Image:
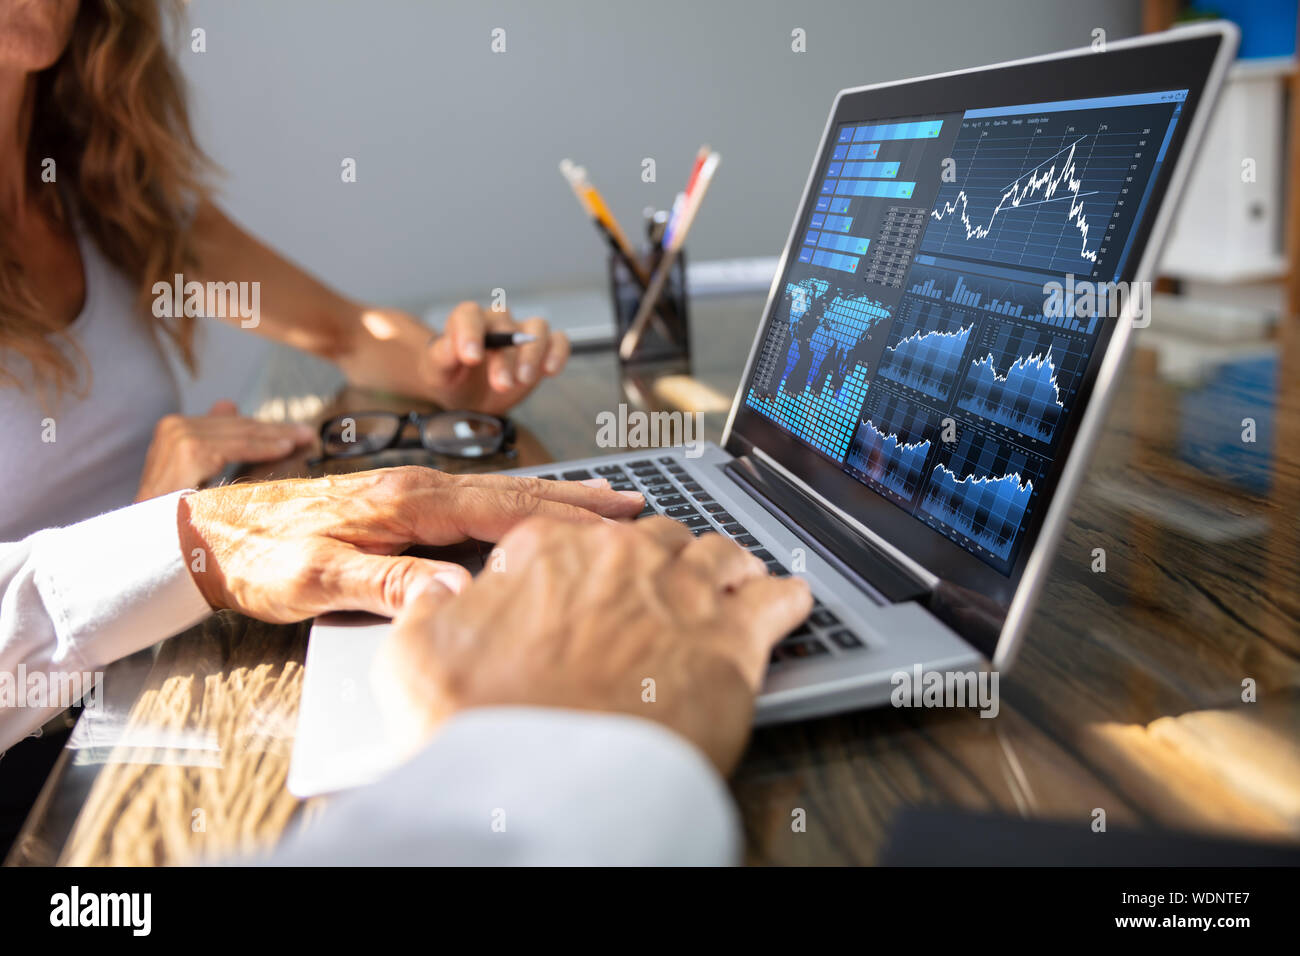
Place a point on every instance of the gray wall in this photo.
(457, 148)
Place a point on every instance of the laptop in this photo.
(947, 322)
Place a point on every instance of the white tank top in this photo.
(94, 463)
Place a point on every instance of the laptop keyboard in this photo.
(670, 490)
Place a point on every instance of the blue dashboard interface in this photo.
(944, 294)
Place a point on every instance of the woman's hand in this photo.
(187, 451)
(458, 367)
(380, 348)
(397, 353)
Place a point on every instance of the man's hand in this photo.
(640, 619)
(283, 551)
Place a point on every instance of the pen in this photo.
(701, 158)
(504, 340)
(655, 221)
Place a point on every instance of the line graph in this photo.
(1027, 398)
(891, 445)
(1039, 181)
(984, 508)
(1021, 379)
(983, 491)
(1030, 197)
(926, 349)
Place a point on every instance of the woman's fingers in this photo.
(508, 372)
(250, 448)
(252, 429)
(502, 364)
(532, 355)
(443, 354)
(464, 330)
(220, 440)
(557, 353)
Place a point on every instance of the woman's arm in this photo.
(377, 347)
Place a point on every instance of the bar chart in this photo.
(1006, 294)
(857, 171)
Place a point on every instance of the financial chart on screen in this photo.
(943, 299)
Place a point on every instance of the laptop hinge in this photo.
(843, 547)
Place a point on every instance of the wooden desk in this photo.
(1128, 696)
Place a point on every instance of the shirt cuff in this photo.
(535, 786)
(117, 583)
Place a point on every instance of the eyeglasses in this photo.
(457, 434)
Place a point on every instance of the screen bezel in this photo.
(1174, 63)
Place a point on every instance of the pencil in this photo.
(594, 204)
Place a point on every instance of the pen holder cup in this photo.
(667, 334)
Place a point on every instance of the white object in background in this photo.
(1196, 319)
(731, 276)
(1192, 338)
(1229, 230)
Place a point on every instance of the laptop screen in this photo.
(949, 281)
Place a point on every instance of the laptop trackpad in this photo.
(341, 740)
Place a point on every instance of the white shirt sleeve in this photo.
(74, 599)
(533, 786)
